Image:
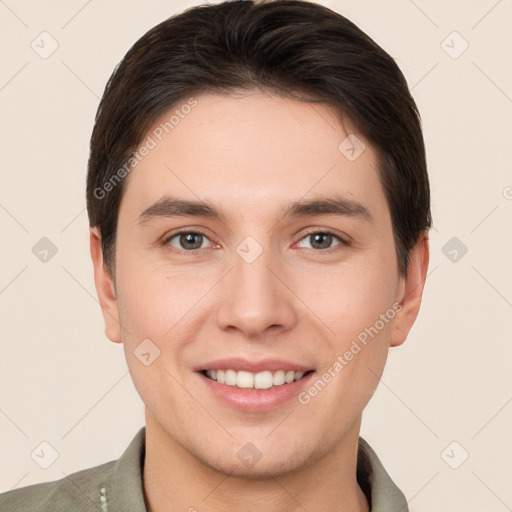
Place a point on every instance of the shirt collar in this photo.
(124, 490)
(384, 495)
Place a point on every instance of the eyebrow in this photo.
(169, 206)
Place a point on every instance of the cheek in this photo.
(358, 307)
(348, 300)
(152, 302)
(153, 308)
(360, 310)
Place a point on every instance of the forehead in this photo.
(252, 149)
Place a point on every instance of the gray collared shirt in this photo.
(116, 486)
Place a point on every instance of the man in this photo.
(259, 208)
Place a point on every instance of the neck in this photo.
(174, 479)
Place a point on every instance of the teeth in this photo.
(248, 380)
(263, 380)
(243, 379)
(230, 378)
(278, 378)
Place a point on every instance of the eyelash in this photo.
(343, 241)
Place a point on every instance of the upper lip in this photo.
(250, 365)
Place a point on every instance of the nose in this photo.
(255, 299)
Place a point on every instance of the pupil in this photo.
(326, 238)
(189, 239)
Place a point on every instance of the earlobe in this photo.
(105, 288)
(411, 291)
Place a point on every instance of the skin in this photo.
(251, 155)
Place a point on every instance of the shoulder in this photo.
(118, 481)
(79, 492)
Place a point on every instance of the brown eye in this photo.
(322, 240)
(188, 241)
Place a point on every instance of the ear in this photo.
(105, 288)
(411, 290)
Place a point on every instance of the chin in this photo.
(245, 460)
(260, 471)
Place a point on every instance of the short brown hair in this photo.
(287, 46)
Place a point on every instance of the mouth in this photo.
(254, 384)
(255, 380)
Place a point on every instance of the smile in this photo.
(248, 380)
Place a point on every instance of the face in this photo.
(286, 262)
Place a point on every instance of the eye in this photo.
(187, 241)
(322, 240)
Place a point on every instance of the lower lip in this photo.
(256, 400)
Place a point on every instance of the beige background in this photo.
(63, 382)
